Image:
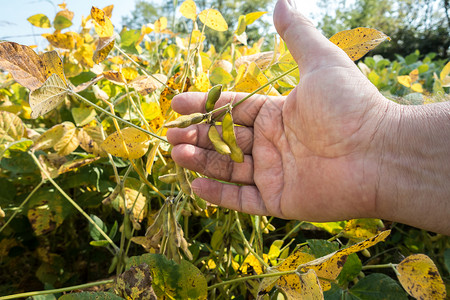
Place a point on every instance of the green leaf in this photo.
(83, 115)
(447, 259)
(40, 20)
(47, 210)
(320, 248)
(378, 286)
(19, 163)
(193, 283)
(60, 22)
(90, 296)
(129, 40)
(95, 234)
(171, 280)
(220, 76)
(351, 269)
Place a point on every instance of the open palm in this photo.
(307, 155)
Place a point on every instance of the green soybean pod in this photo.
(213, 96)
(217, 141)
(183, 181)
(230, 138)
(186, 120)
(168, 178)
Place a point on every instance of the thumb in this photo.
(308, 46)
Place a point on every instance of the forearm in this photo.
(414, 168)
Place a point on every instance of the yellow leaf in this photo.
(445, 71)
(202, 82)
(329, 266)
(90, 138)
(104, 46)
(247, 82)
(417, 87)
(253, 16)
(251, 261)
(84, 55)
(11, 127)
(414, 74)
(66, 40)
(53, 64)
(150, 110)
(151, 157)
(358, 41)
(103, 26)
(49, 138)
(189, 10)
(197, 36)
(213, 19)
(301, 286)
(160, 24)
(131, 144)
(331, 227)
(420, 278)
(49, 96)
(40, 20)
(404, 80)
(361, 229)
(129, 73)
(68, 142)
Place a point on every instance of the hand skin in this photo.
(334, 149)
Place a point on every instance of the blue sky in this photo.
(14, 13)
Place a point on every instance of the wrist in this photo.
(413, 180)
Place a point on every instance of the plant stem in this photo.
(249, 278)
(250, 248)
(118, 118)
(22, 205)
(55, 291)
(73, 202)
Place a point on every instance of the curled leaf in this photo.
(25, 66)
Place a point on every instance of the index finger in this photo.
(243, 114)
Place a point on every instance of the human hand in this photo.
(318, 154)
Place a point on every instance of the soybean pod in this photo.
(217, 141)
(186, 120)
(230, 138)
(213, 96)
